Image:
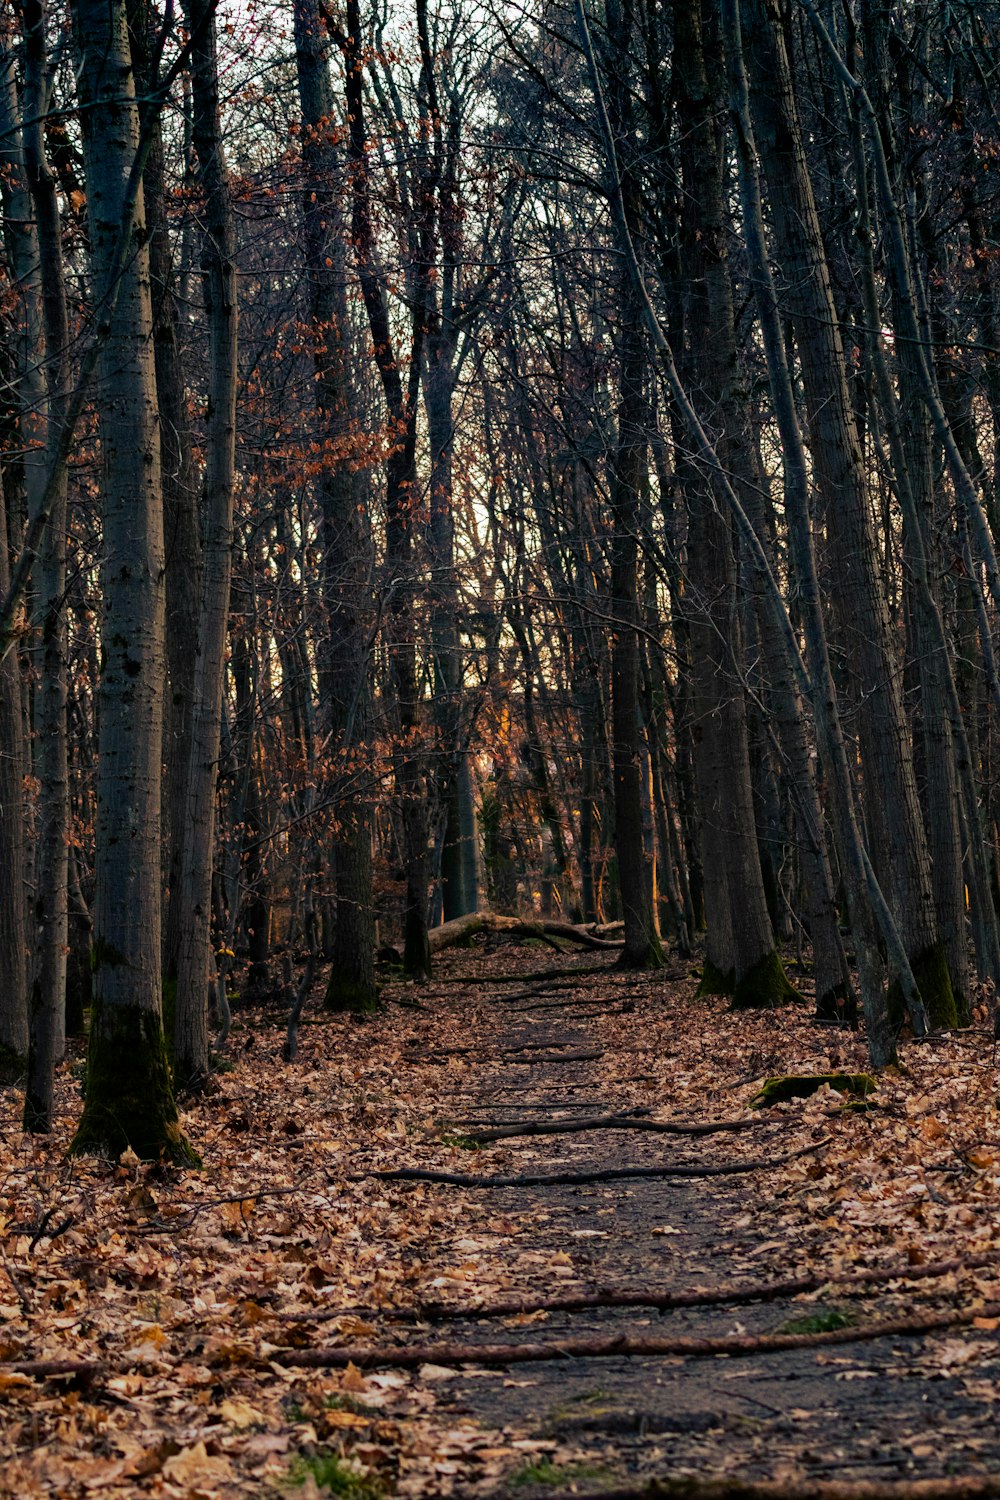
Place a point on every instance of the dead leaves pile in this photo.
(184, 1285)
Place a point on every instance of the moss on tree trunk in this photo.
(765, 986)
(649, 956)
(714, 981)
(129, 1099)
(930, 970)
(344, 993)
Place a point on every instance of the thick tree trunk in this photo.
(347, 552)
(741, 958)
(129, 1101)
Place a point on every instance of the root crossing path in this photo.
(629, 1305)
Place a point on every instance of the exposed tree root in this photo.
(728, 1296)
(607, 1174)
(616, 1346)
(537, 976)
(986, 1487)
(507, 1054)
(614, 1122)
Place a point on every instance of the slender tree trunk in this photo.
(400, 521)
(190, 1042)
(181, 525)
(50, 909)
(13, 954)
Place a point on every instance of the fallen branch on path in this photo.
(607, 1174)
(985, 1487)
(622, 1345)
(728, 1296)
(617, 1122)
(460, 928)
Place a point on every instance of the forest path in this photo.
(880, 1410)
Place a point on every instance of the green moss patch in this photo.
(802, 1085)
(714, 981)
(345, 994)
(930, 970)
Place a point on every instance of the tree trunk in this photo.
(345, 656)
(741, 958)
(13, 954)
(190, 1041)
(859, 600)
(50, 909)
(181, 525)
(129, 1101)
(400, 500)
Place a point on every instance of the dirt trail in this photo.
(875, 1410)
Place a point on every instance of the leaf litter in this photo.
(186, 1287)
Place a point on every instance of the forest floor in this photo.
(188, 1306)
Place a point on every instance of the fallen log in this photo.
(617, 1122)
(460, 928)
(622, 1345)
(605, 1174)
(985, 1487)
(736, 1295)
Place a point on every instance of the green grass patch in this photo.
(334, 1477)
(544, 1472)
(826, 1320)
(464, 1142)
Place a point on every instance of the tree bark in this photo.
(347, 561)
(190, 1041)
(859, 601)
(51, 903)
(129, 1099)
